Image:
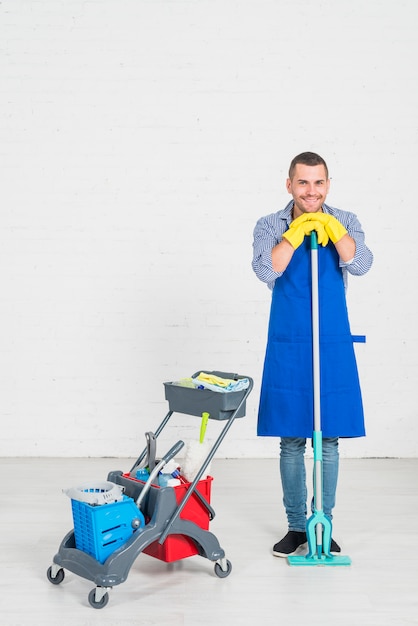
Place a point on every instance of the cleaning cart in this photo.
(116, 521)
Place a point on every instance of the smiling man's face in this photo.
(309, 187)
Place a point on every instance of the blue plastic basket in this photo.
(100, 530)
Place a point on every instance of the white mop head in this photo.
(194, 458)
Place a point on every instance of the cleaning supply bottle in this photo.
(142, 474)
(167, 480)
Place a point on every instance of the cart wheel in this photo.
(55, 580)
(223, 573)
(101, 603)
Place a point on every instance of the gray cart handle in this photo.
(166, 458)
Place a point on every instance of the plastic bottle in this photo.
(142, 474)
(167, 480)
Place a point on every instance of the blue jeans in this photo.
(293, 476)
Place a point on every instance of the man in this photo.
(282, 260)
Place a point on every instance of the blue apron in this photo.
(286, 400)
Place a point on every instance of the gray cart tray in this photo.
(220, 406)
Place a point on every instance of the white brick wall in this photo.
(139, 142)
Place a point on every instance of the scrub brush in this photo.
(196, 453)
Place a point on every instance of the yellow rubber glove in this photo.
(334, 229)
(299, 228)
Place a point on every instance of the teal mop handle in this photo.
(317, 434)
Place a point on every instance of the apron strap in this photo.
(358, 338)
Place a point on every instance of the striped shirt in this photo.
(269, 230)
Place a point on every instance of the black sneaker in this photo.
(290, 543)
(334, 547)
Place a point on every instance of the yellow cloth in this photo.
(214, 380)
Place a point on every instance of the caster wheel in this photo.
(101, 603)
(223, 573)
(55, 580)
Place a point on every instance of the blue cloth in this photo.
(286, 399)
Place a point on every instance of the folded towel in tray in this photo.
(217, 383)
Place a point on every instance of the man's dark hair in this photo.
(307, 158)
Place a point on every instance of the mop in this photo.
(318, 526)
(196, 453)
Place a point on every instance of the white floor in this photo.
(375, 523)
